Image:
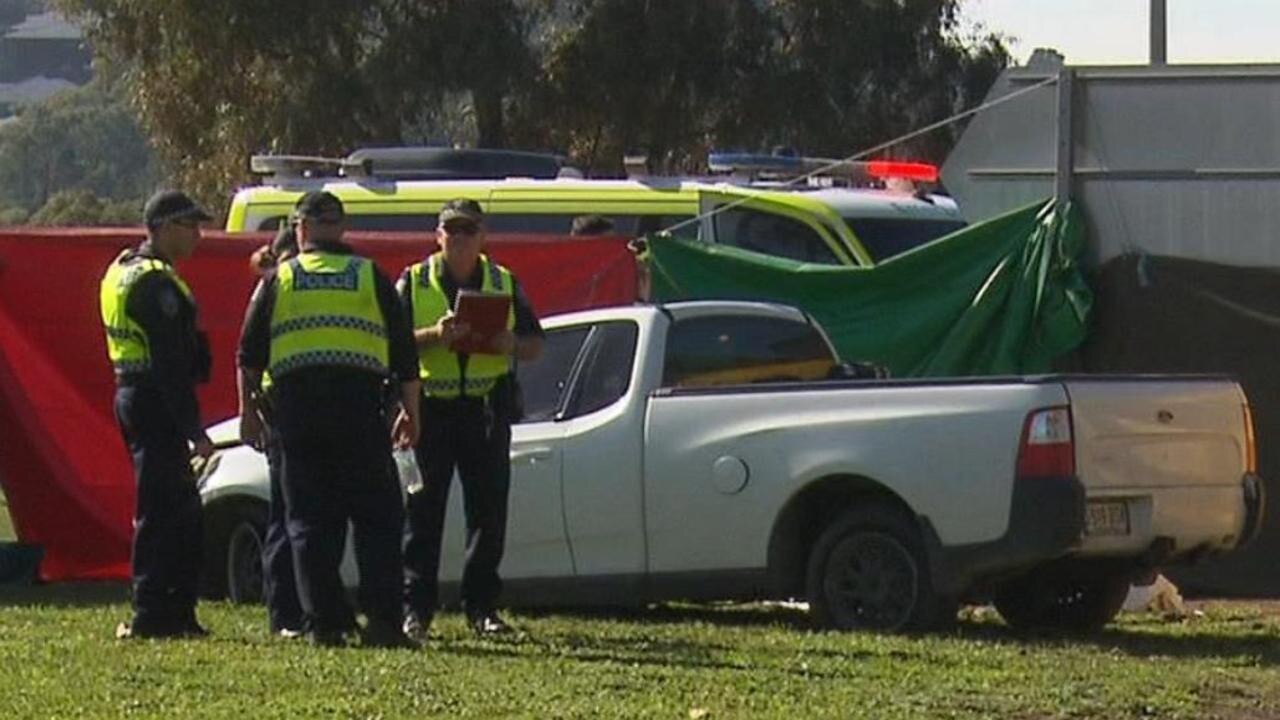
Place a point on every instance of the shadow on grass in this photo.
(630, 652)
(719, 614)
(67, 595)
(1257, 643)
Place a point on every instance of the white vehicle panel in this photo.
(931, 444)
(1158, 434)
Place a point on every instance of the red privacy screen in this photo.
(63, 465)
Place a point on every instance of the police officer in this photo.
(467, 409)
(284, 613)
(328, 327)
(158, 356)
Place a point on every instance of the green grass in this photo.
(58, 659)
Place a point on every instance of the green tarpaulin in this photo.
(1006, 296)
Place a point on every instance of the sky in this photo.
(1117, 31)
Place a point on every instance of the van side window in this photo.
(548, 223)
(606, 367)
(737, 349)
(375, 223)
(772, 234)
(886, 237)
(545, 380)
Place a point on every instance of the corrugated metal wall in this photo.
(1168, 160)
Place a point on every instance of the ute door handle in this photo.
(530, 456)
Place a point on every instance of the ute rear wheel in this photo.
(868, 571)
(1064, 597)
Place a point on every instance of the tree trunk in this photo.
(489, 121)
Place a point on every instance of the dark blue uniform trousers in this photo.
(167, 533)
(284, 612)
(336, 468)
(466, 434)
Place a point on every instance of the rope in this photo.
(871, 150)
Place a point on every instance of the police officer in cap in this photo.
(328, 328)
(469, 402)
(158, 356)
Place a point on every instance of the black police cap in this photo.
(317, 204)
(168, 205)
(463, 208)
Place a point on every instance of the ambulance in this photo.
(839, 213)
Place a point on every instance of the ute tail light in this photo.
(1250, 442)
(1048, 446)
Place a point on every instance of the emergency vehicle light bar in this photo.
(302, 166)
(783, 165)
(885, 169)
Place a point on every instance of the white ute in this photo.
(719, 450)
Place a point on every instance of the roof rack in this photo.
(306, 166)
(414, 163)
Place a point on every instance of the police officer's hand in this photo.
(450, 328)
(252, 431)
(503, 343)
(404, 434)
(204, 447)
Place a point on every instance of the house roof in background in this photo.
(45, 26)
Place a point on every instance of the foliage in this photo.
(660, 78)
(218, 80)
(82, 143)
(83, 207)
(57, 659)
(859, 73)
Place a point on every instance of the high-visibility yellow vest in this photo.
(326, 314)
(438, 367)
(127, 343)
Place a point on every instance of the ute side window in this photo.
(545, 380)
(606, 367)
(737, 349)
(772, 234)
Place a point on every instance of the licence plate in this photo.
(1108, 517)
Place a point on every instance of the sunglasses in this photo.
(461, 227)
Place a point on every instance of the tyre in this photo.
(1062, 597)
(233, 552)
(867, 571)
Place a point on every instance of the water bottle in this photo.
(407, 466)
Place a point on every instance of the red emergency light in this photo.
(919, 172)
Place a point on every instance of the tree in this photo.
(659, 77)
(855, 74)
(82, 207)
(215, 81)
(84, 139)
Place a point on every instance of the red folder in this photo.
(485, 314)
